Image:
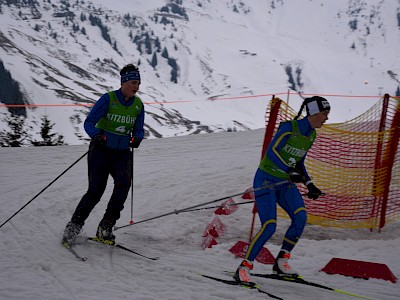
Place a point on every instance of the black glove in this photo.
(313, 191)
(295, 175)
(135, 142)
(98, 140)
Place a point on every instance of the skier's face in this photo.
(129, 88)
(318, 120)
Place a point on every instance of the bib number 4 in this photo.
(121, 129)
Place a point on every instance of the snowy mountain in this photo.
(206, 66)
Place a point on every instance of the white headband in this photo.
(317, 105)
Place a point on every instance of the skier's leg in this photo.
(121, 171)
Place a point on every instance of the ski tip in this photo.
(249, 285)
(149, 257)
(350, 294)
(66, 244)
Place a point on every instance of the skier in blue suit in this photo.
(115, 124)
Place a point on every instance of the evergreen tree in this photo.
(165, 53)
(157, 44)
(174, 72)
(49, 138)
(398, 19)
(75, 27)
(96, 21)
(17, 133)
(10, 92)
(147, 43)
(288, 70)
(154, 60)
(83, 17)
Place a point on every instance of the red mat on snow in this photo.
(264, 257)
(359, 269)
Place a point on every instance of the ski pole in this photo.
(266, 185)
(131, 221)
(45, 188)
(229, 205)
(219, 206)
(232, 204)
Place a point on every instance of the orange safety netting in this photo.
(355, 163)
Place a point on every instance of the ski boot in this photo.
(281, 266)
(242, 274)
(70, 233)
(105, 233)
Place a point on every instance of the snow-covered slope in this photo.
(170, 174)
(68, 52)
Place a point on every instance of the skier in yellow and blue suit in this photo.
(274, 183)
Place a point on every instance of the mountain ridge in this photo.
(70, 52)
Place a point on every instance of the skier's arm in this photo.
(99, 110)
(279, 140)
(138, 129)
(302, 168)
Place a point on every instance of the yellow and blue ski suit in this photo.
(271, 184)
